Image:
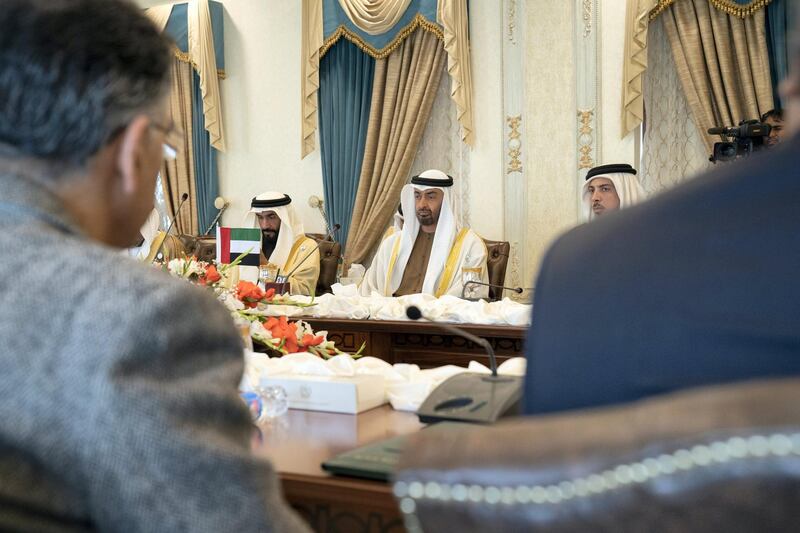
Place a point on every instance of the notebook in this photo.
(378, 461)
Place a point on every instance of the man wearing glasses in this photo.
(120, 408)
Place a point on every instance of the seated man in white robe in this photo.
(147, 235)
(284, 243)
(610, 188)
(431, 254)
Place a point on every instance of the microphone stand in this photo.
(216, 219)
(184, 197)
(414, 313)
(518, 290)
(469, 396)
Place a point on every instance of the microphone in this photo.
(221, 204)
(518, 290)
(414, 313)
(469, 396)
(184, 197)
(328, 237)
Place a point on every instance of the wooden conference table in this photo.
(298, 442)
(421, 343)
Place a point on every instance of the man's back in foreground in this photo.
(698, 286)
(120, 409)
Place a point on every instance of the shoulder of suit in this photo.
(120, 282)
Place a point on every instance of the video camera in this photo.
(743, 140)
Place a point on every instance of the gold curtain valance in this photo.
(728, 6)
(186, 58)
(374, 16)
(639, 14)
(451, 28)
(418, 21)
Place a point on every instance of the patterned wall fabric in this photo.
(672, 149)
(441, 148)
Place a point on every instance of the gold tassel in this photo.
(728, 6)
(186, 58)
(417, 22)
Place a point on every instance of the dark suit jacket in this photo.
(700, 285)
(119, 408)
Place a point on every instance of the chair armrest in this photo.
(713, 459)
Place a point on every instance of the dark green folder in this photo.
(378, 460)
(374, 461)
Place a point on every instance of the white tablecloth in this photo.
(346, 303)
(407, 385)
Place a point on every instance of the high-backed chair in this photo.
(203, 247)
(723, 458)
(496, 264)
(168, 246)
(330, 253)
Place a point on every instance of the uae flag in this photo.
(233, 242)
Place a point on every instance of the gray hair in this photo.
(73, 73)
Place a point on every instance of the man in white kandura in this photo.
(610, 188)
(147, 234)
(284, 243)
(431, 253)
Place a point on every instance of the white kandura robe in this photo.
(445, 266)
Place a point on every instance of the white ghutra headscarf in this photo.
(623, 177)
(446, 229)
(291, 226)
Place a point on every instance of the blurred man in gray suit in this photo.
(119, 406)
(697, 287)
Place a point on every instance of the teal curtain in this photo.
(777, 31)
(178, 29)
(205, 157)
(206, 176)
(345, 95)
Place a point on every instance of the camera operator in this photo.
(773, 119)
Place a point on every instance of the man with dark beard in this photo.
(284, 244)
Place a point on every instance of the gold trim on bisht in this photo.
(184, 56)
(418, 21)
(728, 6)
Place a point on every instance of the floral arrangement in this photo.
(199, 272)
(253, 296)
(277, 335)
(281, 336)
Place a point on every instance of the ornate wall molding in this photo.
(587, 17)
(511, 20)
(585, 138)
(514, 181)
(588, 96)
(514, 144)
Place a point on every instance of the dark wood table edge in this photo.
(422, 328)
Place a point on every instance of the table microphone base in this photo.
(472, 397)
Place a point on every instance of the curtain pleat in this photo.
(777, 45)
(178, 175)
(402, 95)
(345, 95)
(206, 174)
(722, 62)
